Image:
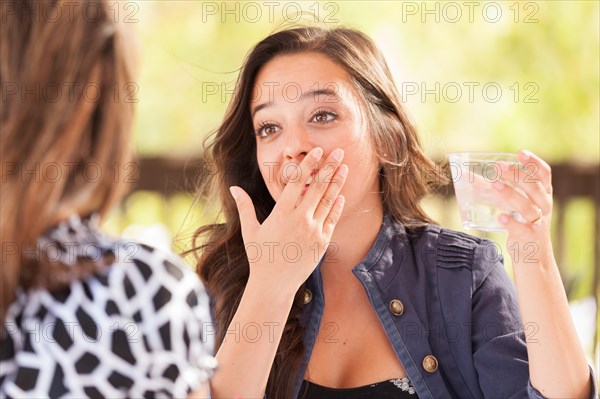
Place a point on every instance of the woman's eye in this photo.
(267, 130)
(323, 117)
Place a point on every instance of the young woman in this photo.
(320, 156)
(83, 315)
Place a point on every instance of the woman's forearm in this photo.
(557, 363)
(304, 216)
(246, 355)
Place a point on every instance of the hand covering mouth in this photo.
(308, 182)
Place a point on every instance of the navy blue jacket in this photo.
(449, 309)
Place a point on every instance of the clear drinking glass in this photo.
(473, 174)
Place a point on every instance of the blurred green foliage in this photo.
(542, 55)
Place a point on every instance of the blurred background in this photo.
(477, 76)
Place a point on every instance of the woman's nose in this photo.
(297, 144)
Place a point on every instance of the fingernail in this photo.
(338, 154)
(317, 152)
(525, 154)
(344, 170)
(234, 192)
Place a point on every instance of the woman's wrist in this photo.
(276, 293)
(533, 253)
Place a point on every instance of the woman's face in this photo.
(303, 101)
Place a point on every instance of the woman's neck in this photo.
(352, 240)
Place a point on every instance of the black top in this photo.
(399, 388)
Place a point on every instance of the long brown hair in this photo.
(405, 174)
(61, 124)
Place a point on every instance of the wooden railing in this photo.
(167, 176)
(570, 181)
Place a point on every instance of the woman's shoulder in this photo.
(78, 240)
(452, 249)
(445, 239)
(138, 283)
(132, 280)
(140, 263)
(150, 282)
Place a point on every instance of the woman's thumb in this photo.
(245, 208)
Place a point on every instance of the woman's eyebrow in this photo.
(314, 93)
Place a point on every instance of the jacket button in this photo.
(307, 296)
(430, 363)
(397, 307)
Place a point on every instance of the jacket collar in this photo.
(377, 261)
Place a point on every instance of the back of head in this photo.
(64, 125)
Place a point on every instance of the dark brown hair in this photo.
(62, 66)
(405, 174)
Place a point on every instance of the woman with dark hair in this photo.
(83, 315)
(328, 280)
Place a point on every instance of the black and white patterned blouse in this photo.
(139, 328)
